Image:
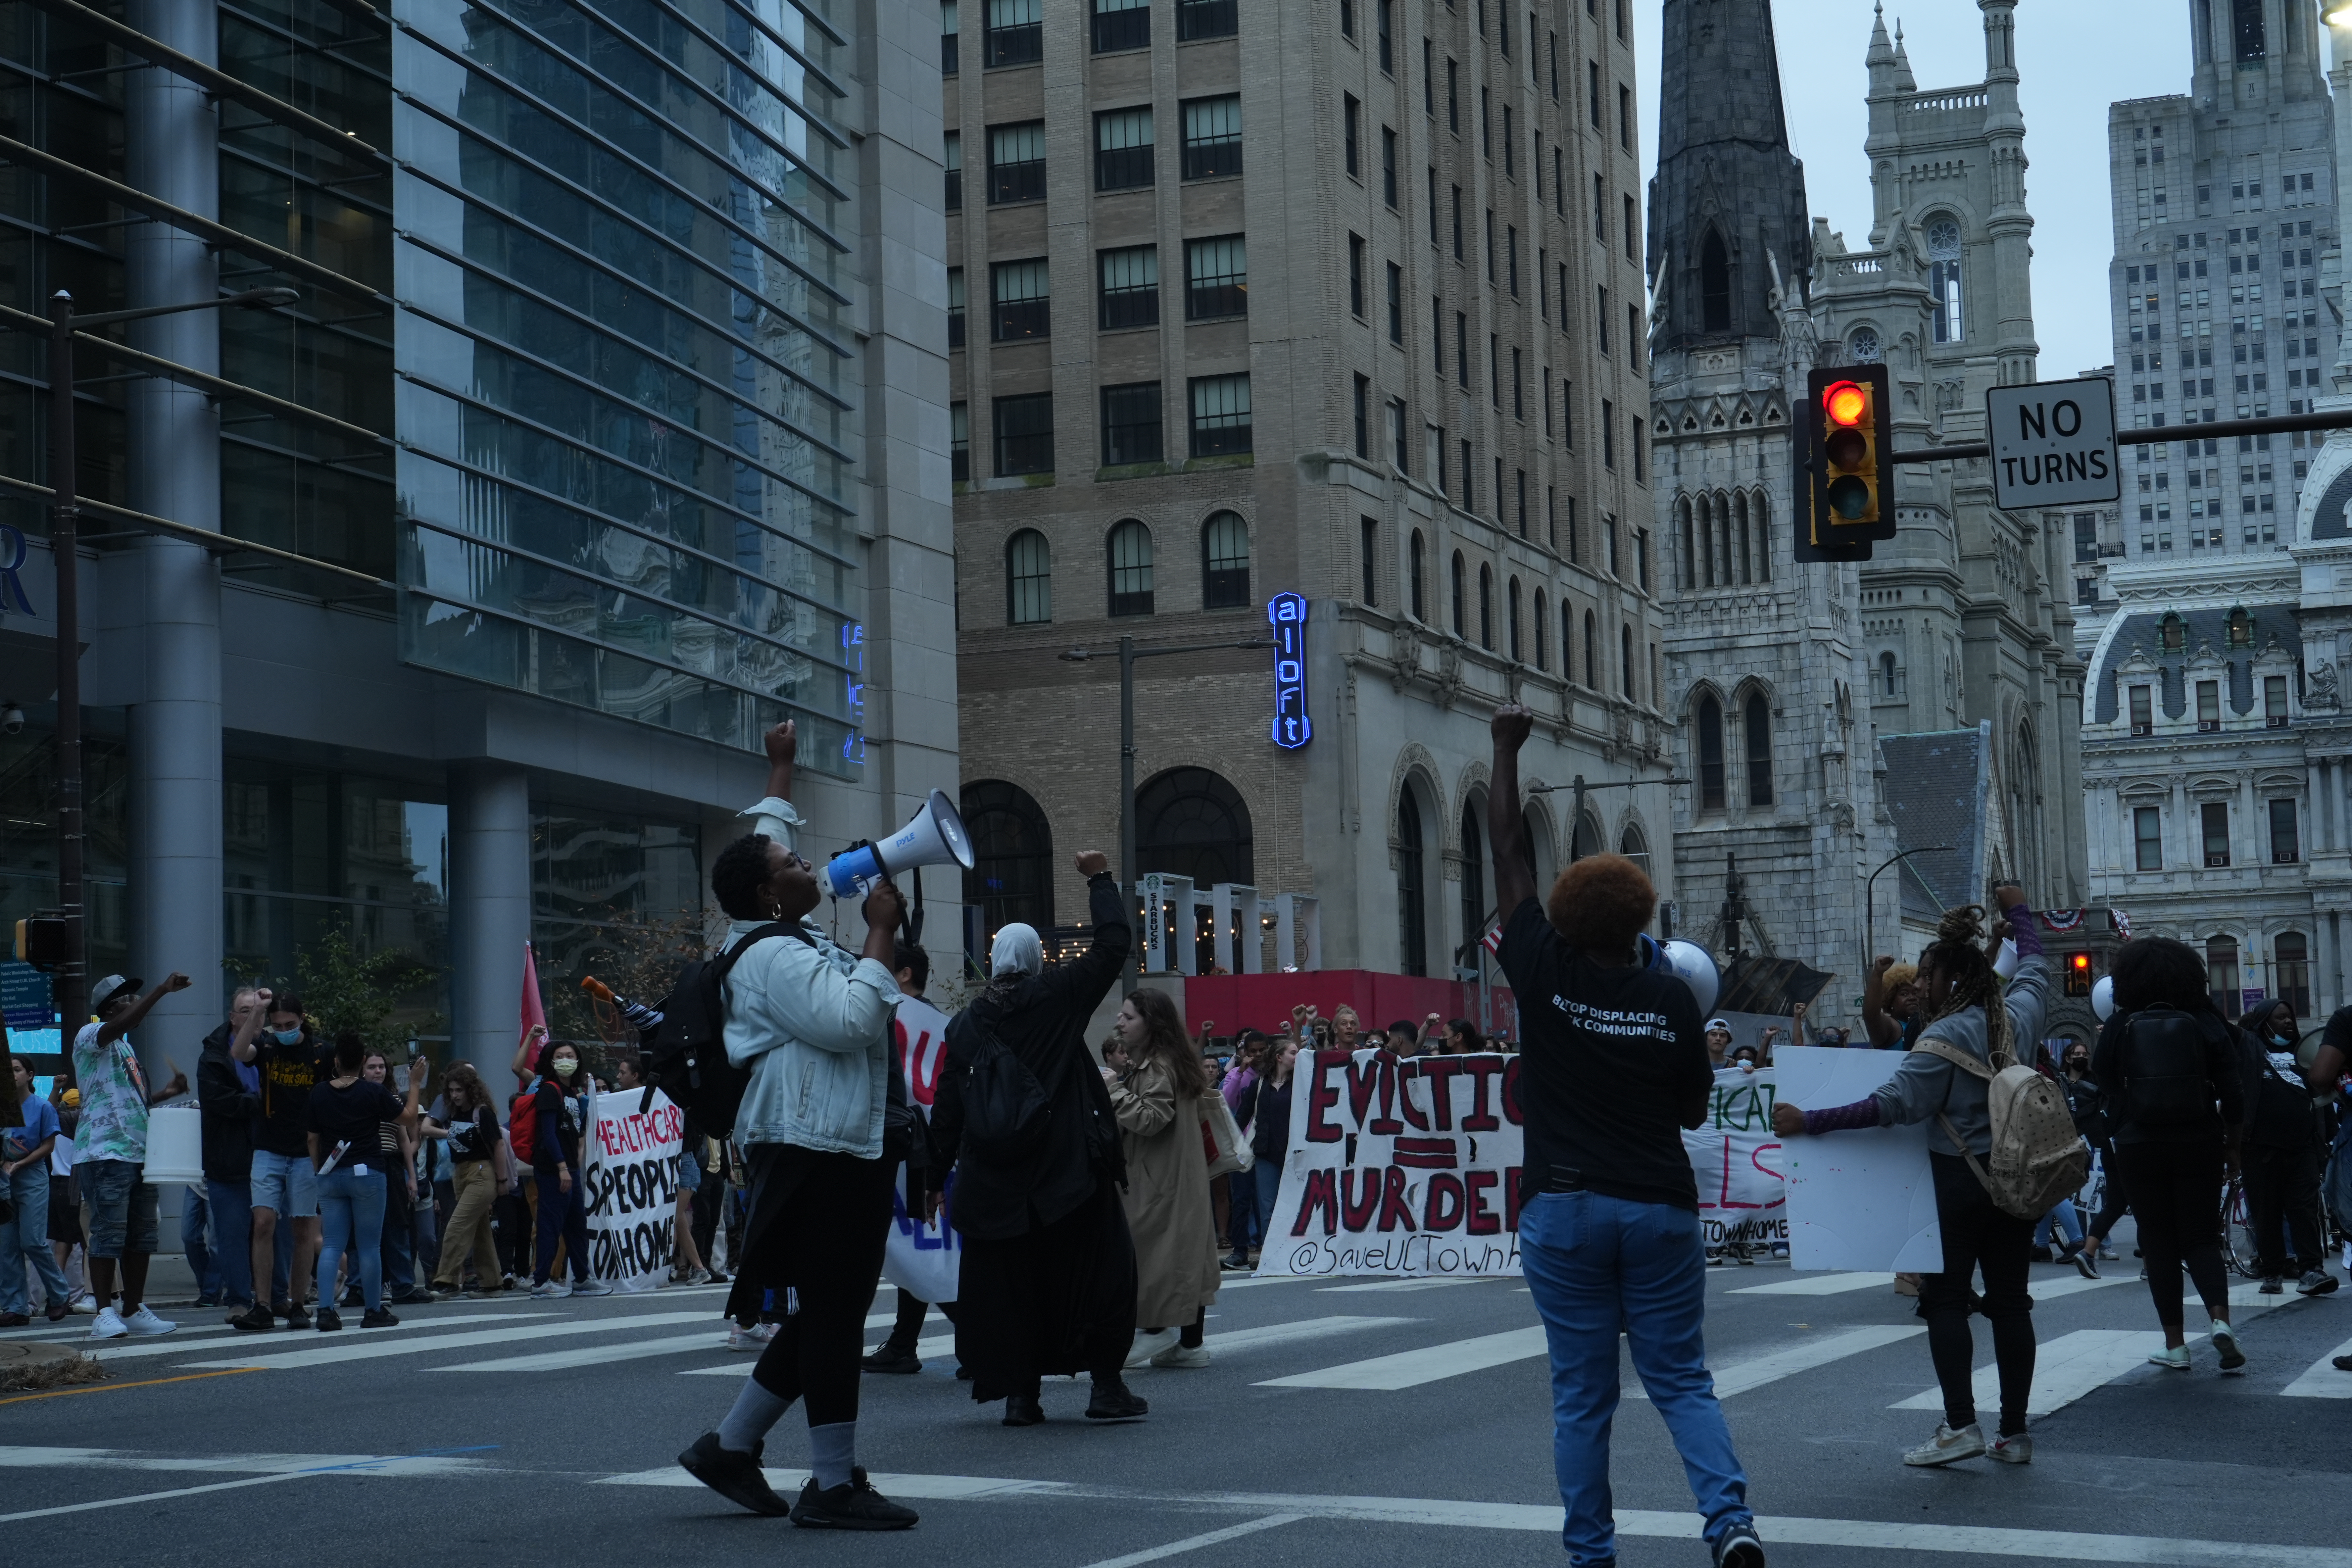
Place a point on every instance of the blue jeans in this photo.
(195, 1241)
(231, 1206)
(351, 1219)
(399, 1235)
(561, 1216)
(2068, 1221)
(1265, 1183)
(1594, 1264)
(26, 1239)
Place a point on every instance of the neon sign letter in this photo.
(1292, 727)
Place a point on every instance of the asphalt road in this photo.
(1356, 1423)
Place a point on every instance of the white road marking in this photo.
(1409, 1369)
(1419, 1282)
(172, 1344)
(1195, 1542)
(1817, 1285)
(2322, 1380)
(713, 1337)
(366, 1349)
(1742, 1376)
(936, 1489)
(241, 1464)
(363, 1465)
(2065, 1369)
(1230, 1283)
(2073, 1284)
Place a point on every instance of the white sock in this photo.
(755, 1411)
(832, 1452)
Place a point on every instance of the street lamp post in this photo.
(1870, 892)
(65, 516)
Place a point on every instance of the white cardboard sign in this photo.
(1864, 1200)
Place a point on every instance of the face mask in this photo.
(287, 1037)
(565, 1067)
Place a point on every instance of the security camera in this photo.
(12, 718)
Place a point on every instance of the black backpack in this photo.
(686, 1058)
(2165, 1087)
(1006, 1112)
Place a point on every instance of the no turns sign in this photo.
(2053, 444)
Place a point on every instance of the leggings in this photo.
(818, 1224)
(2176, 1195)
(1978, 1235)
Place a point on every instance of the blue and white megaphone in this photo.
(933, 836)
(1687, 962)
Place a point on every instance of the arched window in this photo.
(1011, 876)
(1625, 658)
(1224, 562)
(1028, 579)
(1710, 753)
(1706, 543)
(1414, 572)
(2221, 975)
(2171, 634)
(1760, 516)
(1485, 606)
(1130, 569)
(2291, 972)
(1460, 618)
(1190, 822)
(1723, 563)
(1636, 847)
(1474, 880)
(1589, 839)
(1943, 279)
(1591, 652)
(1713, 284)
(1688, 574)
(1543, 635)
(1887, 673)
(1511, 606)
(1759, 750)
(2241, 629)
(1739, 535)
(1413, 935)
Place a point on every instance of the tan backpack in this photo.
(2037, 1157)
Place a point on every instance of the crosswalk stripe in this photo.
(1230, 1283)
(243, 1464)
(711, 1338)
(1409, 1369)
(2065, 1369)
(2322, 1380)
(172, 1344)
(1421, 1283)
(1817, 1285)
(937, 1489)
(2055, 1290)
(1742, 1376)
(371, 1347)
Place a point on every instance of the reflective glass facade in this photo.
(623, 344)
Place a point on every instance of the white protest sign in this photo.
(1864, 1200)
(1735, 1159)
(632, 1186)
(920, 1258)
(1399, 1166)
(2053, 443)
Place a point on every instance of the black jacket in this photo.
(1043, 1020)
(228, 1109)
(2224, 1072)
(1269, 1104)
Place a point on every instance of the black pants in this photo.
(2113, 1202)
(1978, 1237)
(908, 1328)
(816, 1228)
(2176, 1196)
(2282, 1185)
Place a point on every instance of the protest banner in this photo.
(1735, 1158)
(1864, 1200)
(632, 1186)
(921, 1258)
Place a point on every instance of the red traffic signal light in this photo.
(1845, 483)
(2078, 975)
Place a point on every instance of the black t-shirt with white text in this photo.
(288, 1073)
(1613, 1067)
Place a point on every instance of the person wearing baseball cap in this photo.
(1719, 1041)
(110, 1152)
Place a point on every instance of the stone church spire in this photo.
(1728, 204)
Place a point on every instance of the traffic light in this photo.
(1844, 479)
(2078, 975)
(41, 941)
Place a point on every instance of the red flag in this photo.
(535, 1011)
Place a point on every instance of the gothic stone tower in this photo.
(1765, 684)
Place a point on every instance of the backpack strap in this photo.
(726, 961)
(1966, 1062)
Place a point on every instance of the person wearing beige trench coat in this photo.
(1167, 1197)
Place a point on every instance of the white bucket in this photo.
(175, 1144)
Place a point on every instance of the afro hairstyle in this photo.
(1601, 902)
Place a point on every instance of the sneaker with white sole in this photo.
(1739, 1547)
(754, 1338)
(145, 1321)
(1948, 1446)
(107, 1324)
(84, 1303)
(2176, 1358)
(2017, 1449)
(1181, 1355)
(551, 1289)
(1148, 1345)
(2318, 1282)
(2225, 1342)
(590, 1288)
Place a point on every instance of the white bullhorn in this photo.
(933, 836)
(2103, 997)
(1690, 963)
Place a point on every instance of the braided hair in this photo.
(1958, 953)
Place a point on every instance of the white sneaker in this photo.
(1948, 1446)
(754, 1338)
(84, 1303)
(1146, 1346)
(145, 1321)
(551, 1289)
(2176, 1358)
(109, 1324)
(592, 1288)
(1181, 1355)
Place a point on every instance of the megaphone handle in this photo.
(914, 917)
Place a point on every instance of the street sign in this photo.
(2053, 444)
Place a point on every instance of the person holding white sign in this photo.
(1613, 1068)
(1966, 1010)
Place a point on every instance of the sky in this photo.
(2074, 57)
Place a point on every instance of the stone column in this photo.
(174, 872)
(489, 912)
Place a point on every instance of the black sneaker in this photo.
(852, 1505)
(2318, 1282)
(255, 1319)
(2343, 1364)
(2272, 1285)
(328, 1320)
(378, 1318)
(1739, 1547)
(892, 1358)
(1022, 1410)
(351, 1297)
(1113, 1401)
(733, 1476)
(295, 1317)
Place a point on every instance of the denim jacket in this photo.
(813, 1022)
